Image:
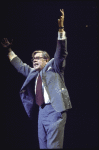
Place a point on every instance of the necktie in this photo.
(39, 94)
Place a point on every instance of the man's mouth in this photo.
(36, 65)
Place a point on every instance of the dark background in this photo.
(33, 25)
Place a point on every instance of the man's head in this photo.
(40, 59)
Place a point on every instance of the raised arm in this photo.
(21, 67)
(61, 48)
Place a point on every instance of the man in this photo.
(44, 86)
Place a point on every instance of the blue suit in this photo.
(52, 77)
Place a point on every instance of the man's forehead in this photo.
(38, 54)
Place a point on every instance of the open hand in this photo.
(5, 43)
(61, 20)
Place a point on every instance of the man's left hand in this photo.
(61, 20)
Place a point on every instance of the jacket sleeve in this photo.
(21, 67)
(60, 55)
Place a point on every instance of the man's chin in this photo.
(37, 68)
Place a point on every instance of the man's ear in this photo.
(47, 60)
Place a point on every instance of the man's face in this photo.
(39, 64)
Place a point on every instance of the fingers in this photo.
(11, 41)
(5, 39)
(62, 11)
(5, 42)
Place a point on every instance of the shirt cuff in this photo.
(61, 35)
(11, 55)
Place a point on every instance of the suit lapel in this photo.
(32, 75)
(47, 65)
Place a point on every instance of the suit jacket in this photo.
(53, 79)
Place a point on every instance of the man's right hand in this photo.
(6, 44)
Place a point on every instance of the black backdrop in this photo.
(33, 25)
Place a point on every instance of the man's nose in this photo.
(35, 61)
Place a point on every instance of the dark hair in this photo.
(45, 55)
